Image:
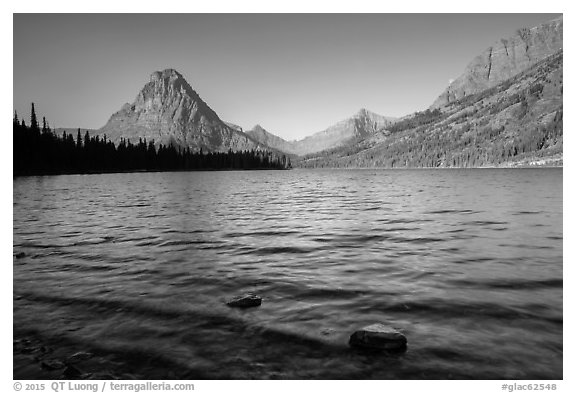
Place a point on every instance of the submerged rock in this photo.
(103, 375)
(44, 349)
(20, 255)
(378, 336)
(79, 357)
(244, 301)
(327, 331)
(52, 365)
(71, 372)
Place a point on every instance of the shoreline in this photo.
(146, 171)
(37, 357)
(298, 169)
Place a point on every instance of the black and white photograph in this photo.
(287, 196)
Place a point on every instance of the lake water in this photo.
(466, 263)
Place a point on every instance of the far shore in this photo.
(295, 168)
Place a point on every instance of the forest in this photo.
(38, 150)
(459, 147)
(519, 120)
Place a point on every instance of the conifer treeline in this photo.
(451, 148)
(39, 150)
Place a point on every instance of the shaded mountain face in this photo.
(516, 122)
(504, 59)
(167, 110)
(348, 131)
(261, 135)
(359, 126)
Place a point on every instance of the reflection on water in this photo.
(467, 263)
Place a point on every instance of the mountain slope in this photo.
(167, 110)
(517, 122)
(261, 135)
(345, 132)
(359, 126)
(505, 59)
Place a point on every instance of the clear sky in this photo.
(293, 74)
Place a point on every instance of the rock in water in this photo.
(72, 372)
(52, 365)
(244, 301)
(378, 336)
(79, 357)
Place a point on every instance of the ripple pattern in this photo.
(467, 263)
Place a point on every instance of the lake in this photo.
(137, 268)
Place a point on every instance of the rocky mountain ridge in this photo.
(258, 133)
(504, 59)
(507, 98)
(167, 110)
(359, 126)
(517, 122)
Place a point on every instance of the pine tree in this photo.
(86, 139)
(47, 153)
(33, 119)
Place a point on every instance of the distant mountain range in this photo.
(506, 109)
(517, 122)
(504, 59)
(359, 126)
(167, 110)
(509, 94)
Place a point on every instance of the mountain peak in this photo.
(169, 111)
(366, 115)
(504, 59)
(168, 73)
(363, 112)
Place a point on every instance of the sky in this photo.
(294, 74)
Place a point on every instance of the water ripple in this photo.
(468, 264)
